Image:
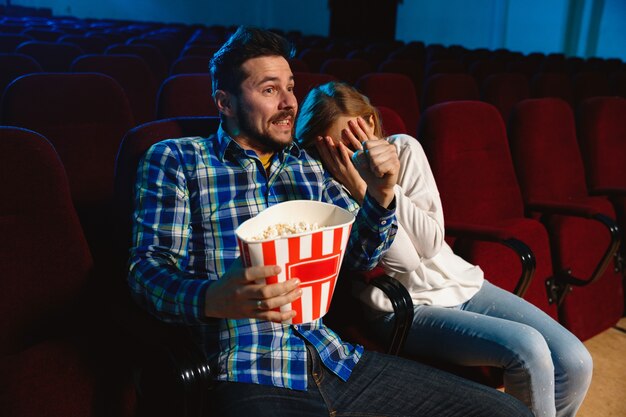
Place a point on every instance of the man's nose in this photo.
(288, 99)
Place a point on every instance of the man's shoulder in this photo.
(179, 145)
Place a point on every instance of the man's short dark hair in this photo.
(244, 44)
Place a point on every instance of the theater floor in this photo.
(606, 394)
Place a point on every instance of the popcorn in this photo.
(285, 229)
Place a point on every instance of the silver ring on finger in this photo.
(259, 305)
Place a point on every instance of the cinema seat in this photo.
(57, 357)
(85, 116)
(467, 147)
(186, 95)
(583, 234)
(132, 73)
(395, 91)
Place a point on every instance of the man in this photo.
(192, 193)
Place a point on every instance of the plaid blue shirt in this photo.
(191, 195)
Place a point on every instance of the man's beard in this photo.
(246, 129)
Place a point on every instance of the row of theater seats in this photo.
(525, 216)
(517, 193)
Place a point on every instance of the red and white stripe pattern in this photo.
(313, 258)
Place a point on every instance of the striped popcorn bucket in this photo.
(314, 257)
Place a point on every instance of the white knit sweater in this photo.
(419, 257)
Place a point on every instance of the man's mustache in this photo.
(283, 115)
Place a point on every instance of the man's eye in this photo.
(269, 90)
(290, 88)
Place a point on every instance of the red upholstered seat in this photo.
(483, 68)
(85, 116)
(14, 65)
(552, 84)
(55, 355)
(10, 41)
(444, 66)
(190, 64)
(89, 44)
(590, 84)
(395, 91)
(346, 70)
(449, 87)
(412, 68)
(504, 90)
(602, 138)
(550, 170)
(154, 57)
(392, 122)
(305, 81)
(314, 57)
(132, 73)
(52, 56)
(468, 151)
(186, 95)
(185, 384)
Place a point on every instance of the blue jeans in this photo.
(545, 366)
(380, 385)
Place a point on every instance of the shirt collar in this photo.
(225, 143)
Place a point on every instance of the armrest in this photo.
(171, 371)
(497, 235)
(402, 307)
(548, 208)
(561, 209)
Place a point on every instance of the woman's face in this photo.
(346, 129)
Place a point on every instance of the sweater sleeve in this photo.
(418, 209)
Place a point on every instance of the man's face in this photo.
(266, 107)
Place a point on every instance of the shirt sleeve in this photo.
(373, 230)
(419, 210)
(161, 231)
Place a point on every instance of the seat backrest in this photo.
(84, 115)
(412, 68)
(45, 264)
(52, 56)
(469, 154)
(346, 70)
(10, 41)
(132, 73)
(590, 84)
(135, 143)
(186, 95)
(552, 84)
(602, 137)
(504, 90)
(443, 66)
(542, 135)
(392, 122)
(45, 35)
(483, 68)
(449, 87)
(315, 57)
(190, 64)
(89, 44)
(618, 83)
(14, 65)
(305, 81)
(395, 91)
(206, 51)
(153, 56)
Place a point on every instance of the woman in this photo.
(459, 316)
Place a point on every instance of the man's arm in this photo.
(159, 256)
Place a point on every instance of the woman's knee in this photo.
(575, 365)
(531, 350)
